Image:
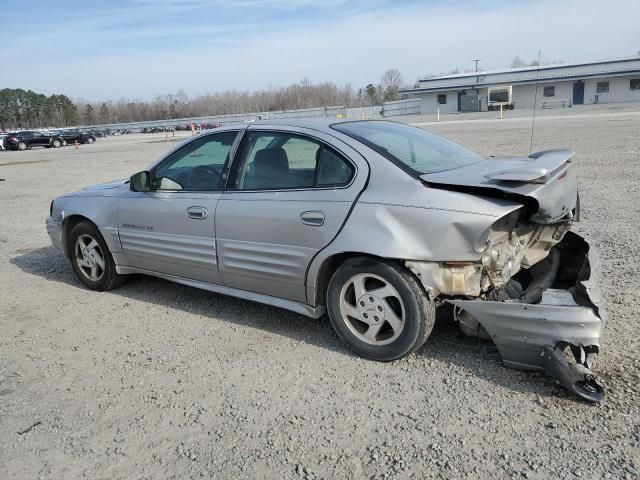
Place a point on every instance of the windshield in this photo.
(411, 148)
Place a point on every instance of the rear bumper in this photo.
(532, 336)
(54, 229)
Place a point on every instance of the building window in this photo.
(634, 84)
(602, 87)
(442, 99)
(549, 91)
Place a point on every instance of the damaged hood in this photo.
(545, 181)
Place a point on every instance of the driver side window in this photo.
(198, 166)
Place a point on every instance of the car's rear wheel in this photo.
(56, 143)
(22, 146)
(379, 309)
(90, 140)
(91, 259)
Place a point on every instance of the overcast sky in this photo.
(140, 48)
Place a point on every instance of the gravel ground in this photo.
(156, 380)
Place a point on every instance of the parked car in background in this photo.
(2, 138)
(72, 136)
(374, 222)
(29, 139)
(98, 133)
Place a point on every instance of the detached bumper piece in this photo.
(576, 378)
(566, 319)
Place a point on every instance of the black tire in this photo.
(419, 309)
(110, 278)
(90, 140)
(22, 146)
(56, 143)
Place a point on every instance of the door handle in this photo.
(314, 218)
(197, 213)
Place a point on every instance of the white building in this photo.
(559, 85)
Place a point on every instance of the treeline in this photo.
(27, 109)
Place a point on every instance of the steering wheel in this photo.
(205, 177)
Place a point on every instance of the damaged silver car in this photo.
(375, 223)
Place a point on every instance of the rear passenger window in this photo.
(278, 161)
(332, 169)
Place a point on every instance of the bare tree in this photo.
(89, 118)
(391, 83)
(517, 62)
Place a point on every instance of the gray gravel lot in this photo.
(156, 380)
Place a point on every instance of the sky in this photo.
(141, 48)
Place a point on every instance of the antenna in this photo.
(535, 101)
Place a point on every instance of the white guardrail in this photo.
(319, 112)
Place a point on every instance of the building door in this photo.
(578, 92)
(460, 95)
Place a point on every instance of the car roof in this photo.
(322, 124)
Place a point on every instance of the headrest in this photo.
(271, 163)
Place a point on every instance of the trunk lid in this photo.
(545, 181)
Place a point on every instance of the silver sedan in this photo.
(375, 223)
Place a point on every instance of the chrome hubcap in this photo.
(372, 309)
(89, 257)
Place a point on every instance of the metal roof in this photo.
(546, 73)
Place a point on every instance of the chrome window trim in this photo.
(232, 152)
(296, 189)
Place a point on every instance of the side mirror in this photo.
(140, 182)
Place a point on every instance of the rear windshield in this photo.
(413, 149)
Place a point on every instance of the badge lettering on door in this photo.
(137, 227)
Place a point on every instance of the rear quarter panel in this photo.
(398, 217)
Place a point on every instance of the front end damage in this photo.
(535, 295)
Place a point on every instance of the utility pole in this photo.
(476, 60)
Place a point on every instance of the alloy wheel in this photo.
(89, 257)
(372, 309)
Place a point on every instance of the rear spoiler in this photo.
(541, 164)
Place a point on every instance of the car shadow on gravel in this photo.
(469, 356)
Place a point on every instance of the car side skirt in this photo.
(297, 307)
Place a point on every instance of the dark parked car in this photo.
(28, 139)
(71, 136)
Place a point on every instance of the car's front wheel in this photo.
(91, 259)
(90, 140)
(22, 146)
(379, 309)
(56, 143)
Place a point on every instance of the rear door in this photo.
(289, 194)
(40, 139)
(171, 229)
(28, 138)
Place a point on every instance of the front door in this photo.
(287, 198)
(578, 92)
(171, 229)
